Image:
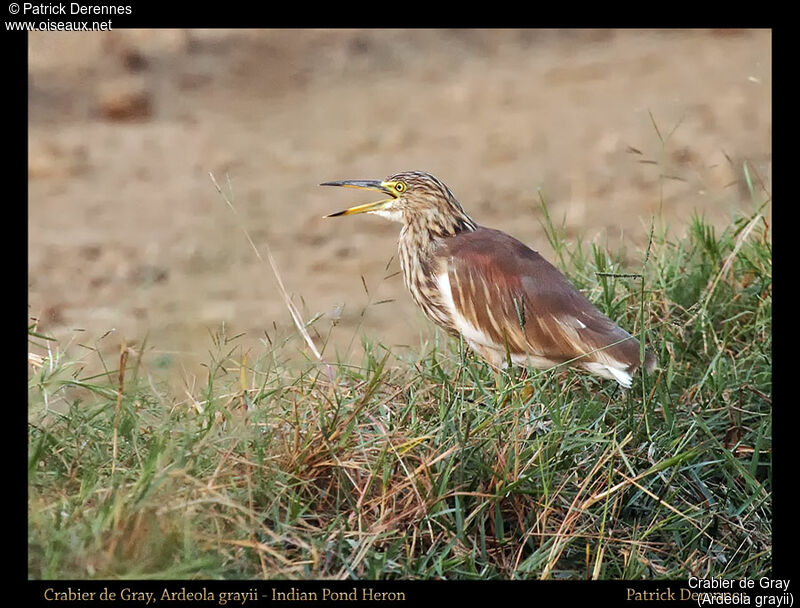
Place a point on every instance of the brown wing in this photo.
(513, 296)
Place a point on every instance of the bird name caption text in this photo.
(759, 592)
(149, 597)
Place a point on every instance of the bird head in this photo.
(412, 196)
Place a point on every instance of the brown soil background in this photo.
(127, 233)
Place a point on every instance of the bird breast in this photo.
(421, 271)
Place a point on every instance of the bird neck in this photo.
(438, 225)
(420, 237)
(421, 234)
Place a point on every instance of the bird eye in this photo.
(399, 187)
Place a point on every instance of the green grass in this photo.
(419, 465)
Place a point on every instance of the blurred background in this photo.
(129, 238)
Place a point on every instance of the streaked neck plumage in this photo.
(420, 236)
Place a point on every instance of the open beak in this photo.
(364, 185)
